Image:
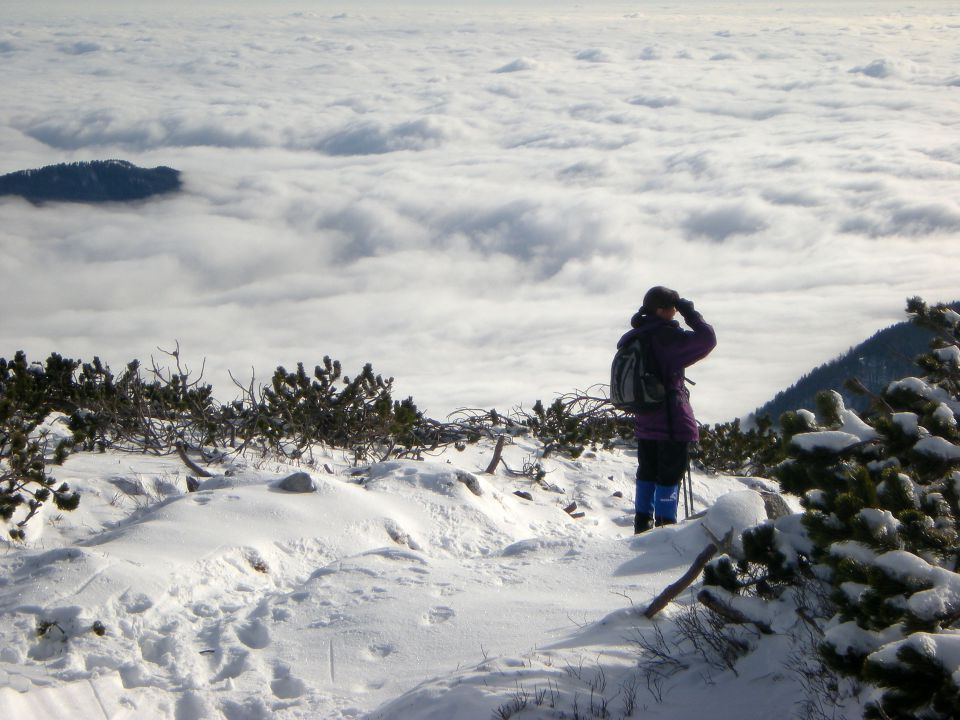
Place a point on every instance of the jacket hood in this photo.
(648, 323)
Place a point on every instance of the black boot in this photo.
(641, 523)
(664, 521)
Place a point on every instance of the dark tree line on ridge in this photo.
(887, 355)
(94, 181)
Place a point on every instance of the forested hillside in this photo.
(887, 355)
(95, 181)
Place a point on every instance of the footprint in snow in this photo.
(158, 649)
(254, 635)
(204, 610)
(135, 604)
(262, 609)
(234, 665)
(192, 706)
(438, 615)
(284, 685)
(379, 652)
(327, 620)
(445, 590)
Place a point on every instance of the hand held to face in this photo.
(685, 307)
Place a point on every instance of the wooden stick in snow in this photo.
(497, 456)
(730, 613)
(182, 452)
(664, 598)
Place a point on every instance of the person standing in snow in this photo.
(664, 434)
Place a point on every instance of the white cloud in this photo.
(475, 200)
(907, 219)
(880, 69)
(722, 221)
(80, 47)
(655, 101)
(369, 138)
(596, 55)
(650, 53)
(518, 65)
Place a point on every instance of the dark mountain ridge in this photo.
(94, 181)
(885, 356)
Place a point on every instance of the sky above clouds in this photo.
(474, 197)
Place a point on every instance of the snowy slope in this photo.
(393, 591)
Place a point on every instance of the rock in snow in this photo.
(298, 482)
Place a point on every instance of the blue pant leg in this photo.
(672, 463)
(645, 497)
(646, 476)
(665, 499)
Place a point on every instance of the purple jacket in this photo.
(675, 349)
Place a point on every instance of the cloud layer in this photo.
(475, 200)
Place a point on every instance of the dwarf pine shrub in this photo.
(28, 393)
(879, 530)
(729, 448)
(164, 408)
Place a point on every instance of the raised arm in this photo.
(688, 346)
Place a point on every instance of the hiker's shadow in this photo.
(664, 548)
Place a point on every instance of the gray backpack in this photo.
(635, 382)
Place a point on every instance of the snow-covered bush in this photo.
(729, 448)
(151, 409)
(357, 414)
(162, 407)
(880, 531)
(575, 421)
(27, 394)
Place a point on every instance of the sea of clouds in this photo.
(475, 196)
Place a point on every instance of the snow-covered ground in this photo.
(401, 590)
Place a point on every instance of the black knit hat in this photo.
(656, 298)
(659, 297)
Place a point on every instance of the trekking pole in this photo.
(689, 488)
(686, 508)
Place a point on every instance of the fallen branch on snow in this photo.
(182, 452)
(688, 578)
(729, 613)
